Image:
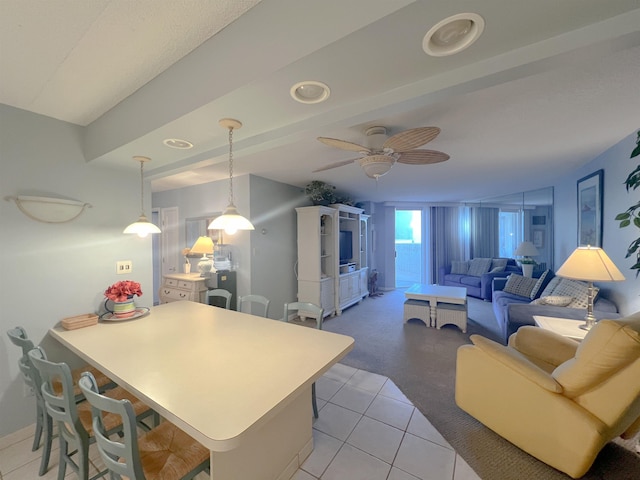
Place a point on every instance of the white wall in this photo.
(274, 243)
(617, 165)
(52, 271)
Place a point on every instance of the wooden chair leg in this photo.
(40, 414)
(46, 447)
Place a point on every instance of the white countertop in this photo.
(217, 374)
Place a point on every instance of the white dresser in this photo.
(183, 286)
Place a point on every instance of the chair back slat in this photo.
(121, 455)
(216, 293)
(18, 337)
(61, 406)
(304, 309)
(254, 305)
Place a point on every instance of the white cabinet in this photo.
(318, 256)
(349, 290)
(183, 286)
(332, 256)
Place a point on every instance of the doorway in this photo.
(409, 265)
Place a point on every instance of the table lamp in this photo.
(204, 245)
(527, 250)
(590, 264)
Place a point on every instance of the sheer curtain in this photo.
(449, 237)
(485, 232)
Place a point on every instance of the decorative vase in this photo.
(527, 269)
(187, 267)
(122, 309)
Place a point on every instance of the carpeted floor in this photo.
(421, 361)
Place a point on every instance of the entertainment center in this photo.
(333, 269)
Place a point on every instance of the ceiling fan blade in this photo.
(335, 165)
(343, 144)
(422, 157)
(410, 139)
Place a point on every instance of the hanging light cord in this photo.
(230, 165)
(141, 190)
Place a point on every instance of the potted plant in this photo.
(632, 214)
(121, 294)
(320, 193)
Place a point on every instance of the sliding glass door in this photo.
(409, 248)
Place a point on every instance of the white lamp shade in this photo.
(590, 264)
(231, 221)
(142, 227)
(526, 249)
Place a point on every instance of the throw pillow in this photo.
(459, 268)
(578, 290)
(540, 285)
(548, 290)
(478, 266)
(556, 300)
(498, 264)
(519, 285)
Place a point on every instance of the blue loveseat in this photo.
(477, 286)
(513, 311)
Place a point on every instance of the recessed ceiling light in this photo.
(453, 34)
(177, 143)
(310, 92)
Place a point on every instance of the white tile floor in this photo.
(366, 430)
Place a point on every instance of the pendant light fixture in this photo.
(230, 221)
(143, 226)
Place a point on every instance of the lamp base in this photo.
(204, 266)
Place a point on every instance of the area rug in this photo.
(421, 362)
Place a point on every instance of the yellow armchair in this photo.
(555, 398)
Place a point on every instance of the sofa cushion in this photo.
(459, 268)
(609, 346)
(573, 288)
(454, 278)
(540, 285)
(555, 300)
(548, 290)
(471, 281)
(478, 266)
(498, 264)
(519, 285)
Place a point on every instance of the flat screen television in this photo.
(346, 246)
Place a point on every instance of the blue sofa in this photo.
(513, 311)
(479, 287)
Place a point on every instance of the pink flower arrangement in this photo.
(122, 291)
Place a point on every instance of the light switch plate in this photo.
(124, 266)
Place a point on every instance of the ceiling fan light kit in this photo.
(382, 152)
(453, 34)
(310, 91)
(375, 166)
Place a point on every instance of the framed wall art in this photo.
(538, 238)
(590, 195)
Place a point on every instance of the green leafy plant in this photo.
(320, 193)
(632, 214)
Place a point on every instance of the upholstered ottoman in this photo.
(449, 313)
(417, 309)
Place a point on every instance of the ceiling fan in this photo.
(383, 152)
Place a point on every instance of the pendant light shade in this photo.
(231, 221)
(143, 226)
